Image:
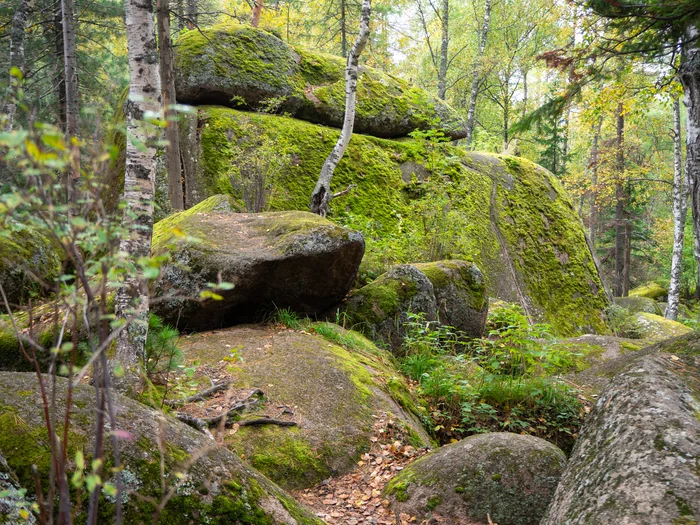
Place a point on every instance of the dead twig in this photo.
(198, 397)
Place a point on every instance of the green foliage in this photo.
(288, 318)
(500, 383)
(162, 353)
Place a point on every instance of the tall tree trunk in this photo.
(321, 196)
(343, 29)
(172, 133)
(476, 73)
(19, 23)
(70, 60)
(444, 47)
(59, 80)
(180, 9)
(593, 213)
(139, 186)
(690, 78)
(191, 14)
(524, 93)
(257, 11)
(680, 199)
(620, 208)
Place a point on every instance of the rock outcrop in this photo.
(336, 383)
(508, 477)
(452, 292)
(12, 500)
(638, 303)
(511, 217)
(244, 67)
(636, 458)
(217, 488)
(292, 259)
(650, 290)
(658, 328)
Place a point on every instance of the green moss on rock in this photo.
(649, 290)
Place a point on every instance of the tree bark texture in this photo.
(59, 79)
(621, 242)
(70, 61)
(680, 199)
(17, 60)
(343, 29)
(192, 14)
(444, 48)
(257, 11)
(321, 196)
(139, 186)
(593, 213)
(172, 134)
(476, 73)
(690, 78)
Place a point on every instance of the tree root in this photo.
(198, 397)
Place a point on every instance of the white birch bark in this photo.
(680, 199)
(690, 79)
(321, 196)
(139, 186)
(476, 73)
(19, 24)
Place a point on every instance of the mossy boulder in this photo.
(243, 67)
(380, 309)
(650, 290)
(460, 294)
(638, 303)
(334, 381)
(511, 218)
(636, 458)
(683, 311)
(218, 488)
(657, 328)
(12, 500)
(26, 258)
(280, 260)
(508, 477)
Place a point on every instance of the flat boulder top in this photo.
(243, 67)
(331, 390)
(217, 488)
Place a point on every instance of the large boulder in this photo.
(451, 292)
(638, 303)
(460, 294)
(217, 488)
(508, 477)
(14, 507)
(380, 309)
(26, 256)
(658, 328)
(636, 458)
(280, 260)
(244, 67)
(650, 290)
(335, 384)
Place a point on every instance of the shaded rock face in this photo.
(452, 292)
(636, 304)
(509, 477)
(460, 294)
(334, 392)
(279, 260)
(218, 488)
(380, 309)
(244, 67)
(12, 501)
(24, 254)
(636, 459)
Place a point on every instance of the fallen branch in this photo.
(204, 423)
(198, 397)
(345, 191)
(264, 421)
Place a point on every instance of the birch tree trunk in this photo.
(476, 73)
(257, 11)
(172, 133)
(444, 47)
(70, 61)
(680, 199)
(19, 24)
(593, 213)
(321, 196)
(690, 78)
(139, 187)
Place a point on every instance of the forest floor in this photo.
(356, 498)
